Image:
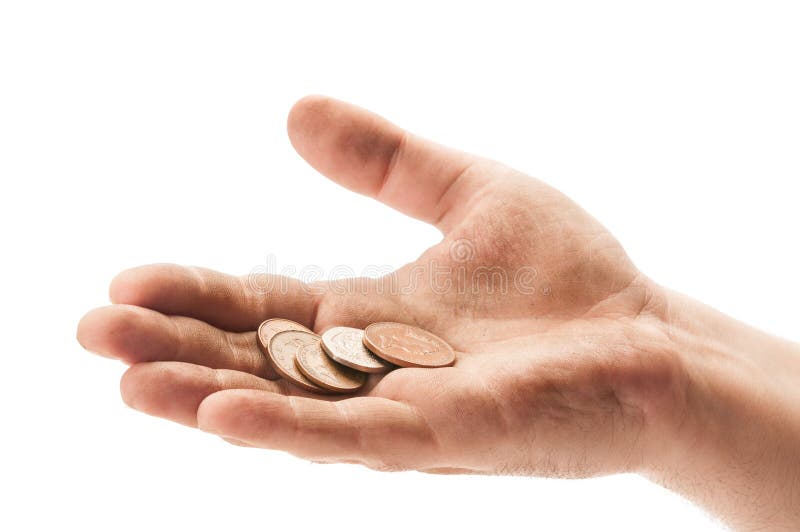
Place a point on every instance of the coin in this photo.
(408, 346)
(273, 326)
(345, 345)
(283, 350)
(323, 371)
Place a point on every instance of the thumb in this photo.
(371, 156)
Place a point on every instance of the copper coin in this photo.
(321, 370)
(273, 326)
(408, 346)
(283, 350)
(346, 346)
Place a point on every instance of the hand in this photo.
(570, 362)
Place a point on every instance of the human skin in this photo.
(583, 367)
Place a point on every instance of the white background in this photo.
(149, 131)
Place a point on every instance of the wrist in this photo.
(732, 446)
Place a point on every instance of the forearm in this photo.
(737, 450)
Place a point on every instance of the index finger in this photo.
(229, 302)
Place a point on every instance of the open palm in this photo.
(563, 365)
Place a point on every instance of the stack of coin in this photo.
(340, 359)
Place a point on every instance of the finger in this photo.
(377, 432)
(225, 301)
(372, 156)
(174, 390)
(237, 443)
(136, 334)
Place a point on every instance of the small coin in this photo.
(321, 370)
(408, 346)
(345, 345)
(273, 326)
(283, 350)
